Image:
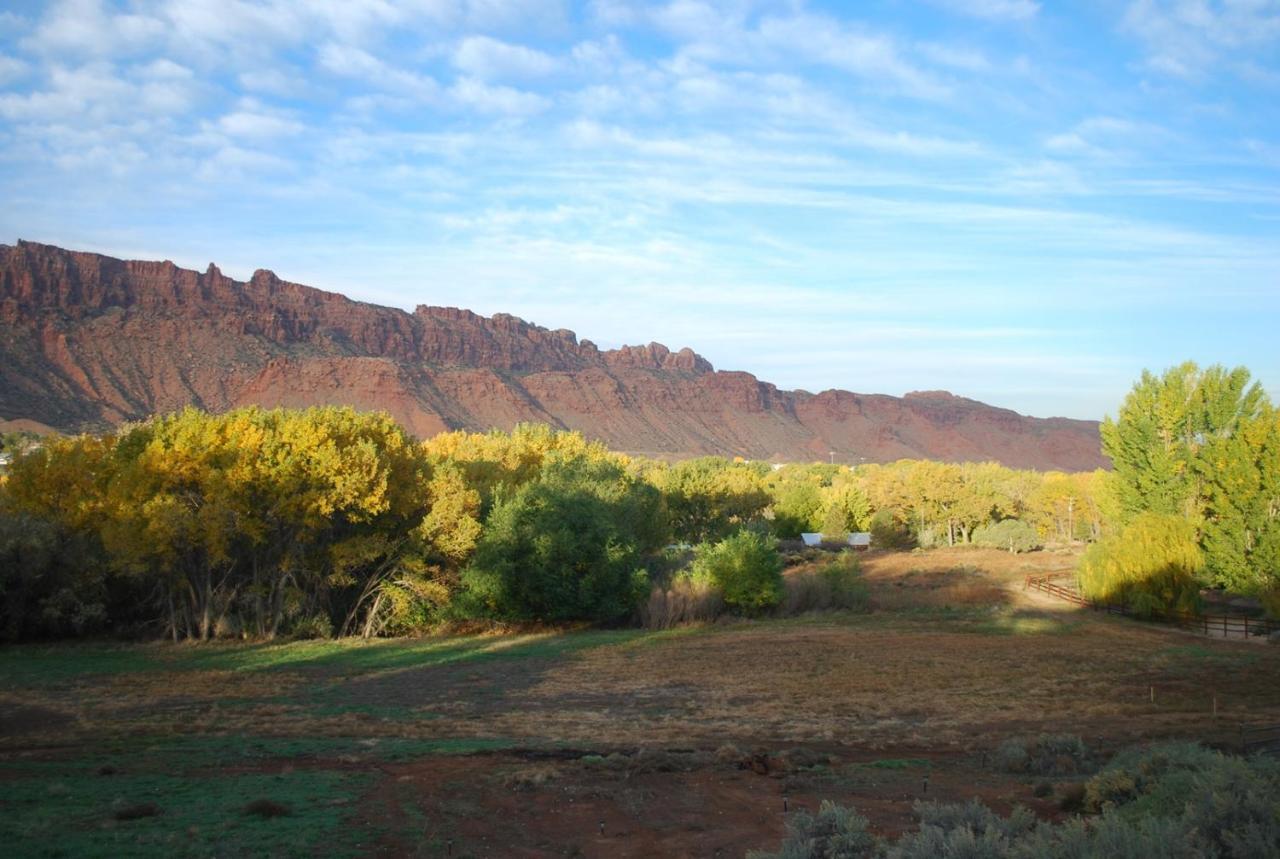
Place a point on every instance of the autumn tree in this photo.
(709, 497)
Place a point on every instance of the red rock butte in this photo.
(88, 342)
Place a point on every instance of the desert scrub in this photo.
(835, 832)
(1158, 779)
(1046, 755)
(968, 829)
(1174, 799)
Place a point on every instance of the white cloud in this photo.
(869, 55)
(352, 62)
(253, 122)
(490, 59)
(280, 81)
(1187, 38)
(487, 98)
(1106, 137)
(712, 37)
(97, 92)
(85, 28)
(11, 68)
(235, 163)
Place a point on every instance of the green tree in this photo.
(570, 545)
(1202, 444)
(1012, 535)
(746, 568)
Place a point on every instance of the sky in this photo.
(1022, 202)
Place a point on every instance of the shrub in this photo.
(1226, 806)
(969, 829)
(1177, 800)
(137, 811)
(50, 580)
(889, 532)
(834, 832)
(1153, 564)
(1156, 777)
(1046, 755)
(835, 585)
(267, 808)
(315, 626)
(684, 600)
(745, 567)
(1271, 603)
(1013, 535)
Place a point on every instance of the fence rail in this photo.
(1216, 625)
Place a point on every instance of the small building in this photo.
(860, 540)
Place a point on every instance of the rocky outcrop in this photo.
(87, 341)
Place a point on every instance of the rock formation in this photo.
(87, 341)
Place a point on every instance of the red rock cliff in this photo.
(87, 341)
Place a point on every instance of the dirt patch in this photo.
(487, 806)
(18, 719)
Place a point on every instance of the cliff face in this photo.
(87, 341)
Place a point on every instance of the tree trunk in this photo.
(206, 608)
(372, 617)
(173, 615)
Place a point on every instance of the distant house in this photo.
(860, 540)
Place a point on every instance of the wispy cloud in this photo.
(1188, 38)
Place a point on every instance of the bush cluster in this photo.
(1045, 755)
(1012, 535)
(1177, 800)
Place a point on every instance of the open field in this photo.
(528, 745)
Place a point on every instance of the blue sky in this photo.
(1022, 202)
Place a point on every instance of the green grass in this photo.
(899, 764)
(73, 814)
(1016, 625)
(1198, 652)
(34, 666)
(55, 802)
(46, 665)
(200, 752)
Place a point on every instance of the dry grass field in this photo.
(595, 743)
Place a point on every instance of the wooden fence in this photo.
(1216, 625)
